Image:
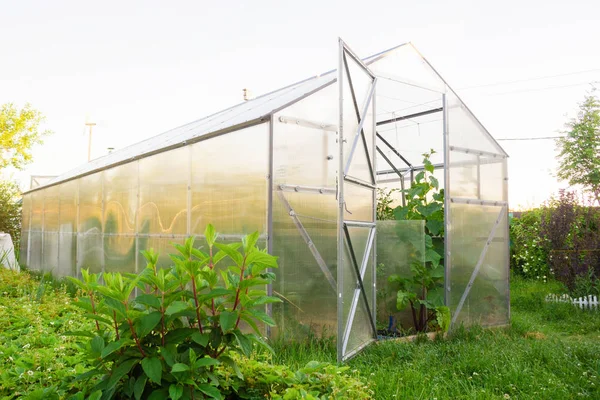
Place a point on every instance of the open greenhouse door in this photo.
(357, 202)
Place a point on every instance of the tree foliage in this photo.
(579, 150)
(19, 132)
(10, 210)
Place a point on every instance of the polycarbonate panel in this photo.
(119, 253)
(26, 212)
(492, 178)
(164, 181)
(50, 252)
(67, 255)
(399, 244)
(24, 246)
(90, 253)
(464, 129)
(37, 210)
(309, 304)
(68, 206)
(359, 202)
(90, 204)
(35, 250)
(293, 164)
(51, 209)
(121, 199)
(487, 301)
(229, 182)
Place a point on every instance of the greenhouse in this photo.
(302, 165)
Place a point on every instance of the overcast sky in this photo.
(138, 68)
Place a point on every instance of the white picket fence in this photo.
(586, 302)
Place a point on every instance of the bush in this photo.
(10, 211)
(529, 253)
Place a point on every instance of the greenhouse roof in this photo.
(248, 113)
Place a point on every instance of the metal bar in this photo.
(358, 276)
(307, 189)
(393, 149)
(476, 152)
(269, 308)
(307, 124)
(459, 200)
(397, 172)
(477, 266)
(507, 237)
(356, 58)
(373, 250)
(410, 116)
(340, 197)
(362, 224)
(479, 177)
(354, 352)
(359, 182)
(413, 169)
(355, 297)
(447, 216)
(402, 80)
(309, 242)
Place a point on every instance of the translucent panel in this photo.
(229, 181)
(50, 252)
(309, 298)
(26, 212)
(119, 253)
(292, 163)
(164, 179)
(359, 202)
(90, 204)
(68, 206)
(121, 198)
(463, 175)
(399, 244)
(464, 129)
(90, 253)
(162, 246)
(492, 178)
(35, 250)
(51, 209)
(487, 301)
(23, 248)
(37, 210)
(67, 255)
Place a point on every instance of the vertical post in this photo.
(506, 233)
(137, 216)
(28, 257)
(479, 177)
(77, 266)
(447, 227)
(269, 309)
(374, 245)
(340, 195)
(43, 228)
(102, 222)
(188, 229)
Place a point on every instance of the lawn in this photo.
(551, 351)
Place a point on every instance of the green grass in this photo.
(551, 351)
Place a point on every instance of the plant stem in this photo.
(116, 325)
(197, 305)
(237, 294)
(135, 337)
(91, 294)
(162, 319)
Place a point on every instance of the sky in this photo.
(139, 68)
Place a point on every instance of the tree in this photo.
(19, 132)
(579, 150)
(10, 210)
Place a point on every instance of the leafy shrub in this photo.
(572, 232)
(10, 211)
(385, 199)
(529, 250)
(167, 341)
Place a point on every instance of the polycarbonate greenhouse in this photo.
(301, 165)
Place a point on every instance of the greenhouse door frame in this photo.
(356, 139)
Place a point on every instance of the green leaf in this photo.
(264, 300)
(168, 353)
(147, 323)
(120, 371)
(95, 396)
(232, 252)
(149, 300)
(210, 234)
(401, 213)
(140, 385)
(249, 242)
(200, 338)
(427, 210)
(434, 182)
(153, 369)
(179, 334)
(211, 391)
(176, 307)
(261, 316)
(244, 342)
(205, 362)
(443, 317)
(435, 227)
(403, 299)
(114, 346)
(432, 256)
(227, 319)
(420, 176)
(175, 391)
(97, 344)
(159, 394)
(214, 293)
(179, 367)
